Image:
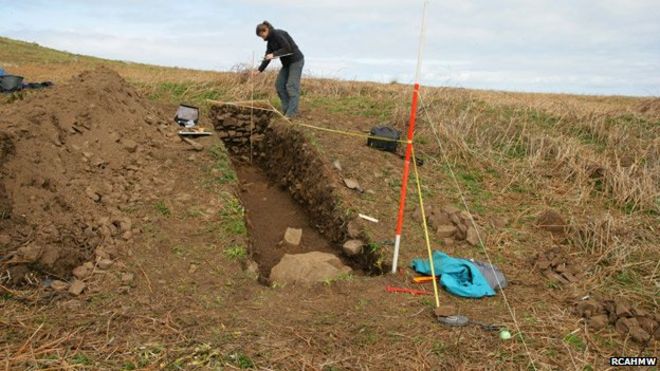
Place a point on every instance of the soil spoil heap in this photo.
(74, 160)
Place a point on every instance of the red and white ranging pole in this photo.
(411, 134)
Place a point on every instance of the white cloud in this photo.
(606, 46)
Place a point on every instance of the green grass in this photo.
(374, 247)
(587, 137)
(517, 187)
(438, 348)
(575, 341)
(178, 250)
(362, 105)
(148, 354)
(235, 227)
(162, 208)
(504, 114)
(636, 125)
(241, 360)
(236, 253)
(222, 170)
(233, 216)
(129, 366)
(25, 52)
(81, 359)
(339, 278)
(516, 151)
(472, 182)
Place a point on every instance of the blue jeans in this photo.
(288, 87)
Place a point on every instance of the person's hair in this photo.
(263, 26)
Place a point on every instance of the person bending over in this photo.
(281, 45)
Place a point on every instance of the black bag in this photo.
(384, 132)
(10, 83)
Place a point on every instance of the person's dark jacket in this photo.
(280, 43)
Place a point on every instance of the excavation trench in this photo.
(270, 210)
(284, 183)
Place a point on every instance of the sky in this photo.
(605, 47)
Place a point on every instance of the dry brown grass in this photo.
(596, 159)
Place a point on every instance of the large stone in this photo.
(445, 231)
(353, 247)
(626, 325)
(639, 335)
(293, 236)
(630, 326)
(455, 219)
(623, 310)
(92, 194)
(352, 184)
(354, 229)
(124, 224)
(30, 253)
(472, 236)
(83, 271)
(598, 322)
(466, 216)
(308, 268)
(58, 285)
(551, 220)
(445, 310)
(437, 219)
(499, 222)
(104, 263)
(130, 145)
(649, 325)
(77, 287)
(450, 209)
(589, 308)
(428, 211)
(196, 146)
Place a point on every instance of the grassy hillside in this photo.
(595, 160)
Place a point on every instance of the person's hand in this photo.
(270, 56)
(254, 73)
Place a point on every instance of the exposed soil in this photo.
(270, 211)
(287, 168)
(107, 182)
(73, 160)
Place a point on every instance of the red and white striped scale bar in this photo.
(411, 134)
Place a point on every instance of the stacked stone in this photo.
(555, 265)
(451, 224)
(631, 321)
(237, 125)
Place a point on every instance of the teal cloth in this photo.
(458, 276)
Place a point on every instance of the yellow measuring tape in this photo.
(361, 135)
(426, 229)
(248, 104)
